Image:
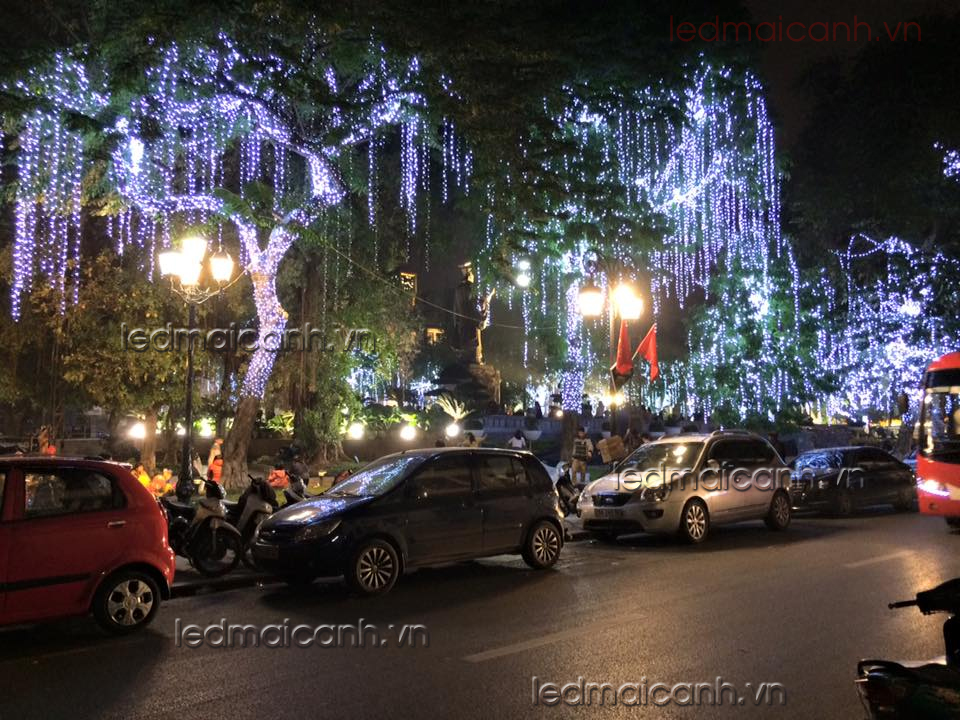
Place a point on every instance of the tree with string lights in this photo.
(213, 123)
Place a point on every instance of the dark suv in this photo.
(842, 479)
(416, 508)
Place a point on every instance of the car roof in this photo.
(434, 451)
(56, 460)
(683, 437)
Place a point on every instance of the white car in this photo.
(687, 483)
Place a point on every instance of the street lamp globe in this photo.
(626, 302)
(591, 300)
(189, 272)
(170, 262)
(194, 247)
(221, 267)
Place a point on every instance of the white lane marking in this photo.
(551, 638)
(879, 559)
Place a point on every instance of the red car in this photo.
(80, 536)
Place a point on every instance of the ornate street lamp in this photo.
(623, 302)
(185, 268)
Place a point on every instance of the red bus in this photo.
(938, 454)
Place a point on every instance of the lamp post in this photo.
(623, 302)
(185, 269)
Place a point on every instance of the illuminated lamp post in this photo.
(623, 303)
(185, 269)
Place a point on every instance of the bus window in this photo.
(940, 416)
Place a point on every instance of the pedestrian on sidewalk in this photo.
(517, 442)
(582, 454)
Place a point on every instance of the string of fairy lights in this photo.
(765, 333)
(170, 160)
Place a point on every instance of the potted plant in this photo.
(531, 428)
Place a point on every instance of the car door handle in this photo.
(116, 523)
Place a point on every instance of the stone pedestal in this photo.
(488, 377)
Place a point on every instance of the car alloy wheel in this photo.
(695, 522)
(375, 568)
(546, 544)
(543, 545)
(779, 516)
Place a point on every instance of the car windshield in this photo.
(940, 417)
(377, 478)
(672, 455)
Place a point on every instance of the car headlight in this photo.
(585, 499)
(657, 493)
(317, 530)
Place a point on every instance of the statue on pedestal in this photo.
(471, 317)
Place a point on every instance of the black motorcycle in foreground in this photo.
(256, 504)
(568, 492)
(927, 691)
(201, 533)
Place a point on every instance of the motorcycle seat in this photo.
(177, 505)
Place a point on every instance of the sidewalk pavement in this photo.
(188, 581)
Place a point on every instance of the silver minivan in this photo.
(686, 484)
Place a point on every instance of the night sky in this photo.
(785, 64)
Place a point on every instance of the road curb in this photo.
(197, 586)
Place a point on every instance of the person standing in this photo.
(215, 449)
(517, 442)
(582, 454)
(216, 469)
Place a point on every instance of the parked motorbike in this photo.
(296, 491)
(928, 690)
(568, 492)
(201, 533)
(256, 504)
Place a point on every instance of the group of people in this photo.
(162, 483)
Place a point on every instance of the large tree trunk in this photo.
(237, 444)
(272, 319)
(568, 430)
(148, 454)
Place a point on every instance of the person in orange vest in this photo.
(278, 477)
(216, 468)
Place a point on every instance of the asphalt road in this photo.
(751, 606)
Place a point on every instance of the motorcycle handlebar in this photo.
(902, 604)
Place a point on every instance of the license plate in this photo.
(608, 513)
(270, 552)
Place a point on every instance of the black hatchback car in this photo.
(840, 479)
(416, 508)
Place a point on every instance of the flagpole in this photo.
(613, 361)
